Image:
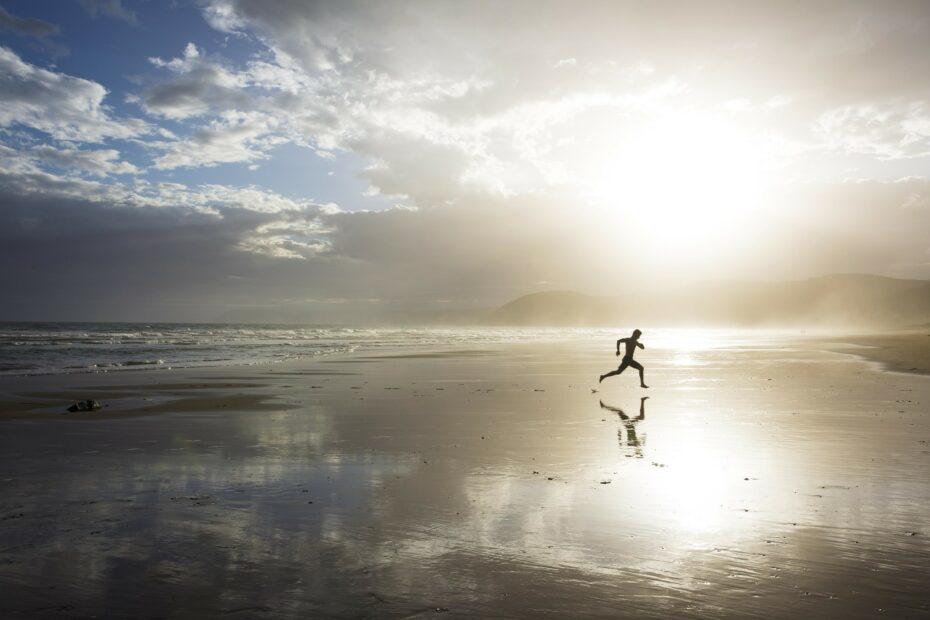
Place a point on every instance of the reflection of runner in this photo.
(631, 343)
(629, 424)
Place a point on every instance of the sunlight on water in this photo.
(688, 340)
(695, 481)
(684, 359)
(685, 341)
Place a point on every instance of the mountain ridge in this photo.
(834, 299)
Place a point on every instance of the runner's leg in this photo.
(620, 369)
(640, 368)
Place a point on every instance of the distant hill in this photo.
(555, 308)
(834, 300)
(841, 300)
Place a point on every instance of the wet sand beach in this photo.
(904, 351)
(762, 478)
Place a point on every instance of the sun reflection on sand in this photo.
(684, 359)
(694, 481)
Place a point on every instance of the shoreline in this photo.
(907, 353)
(248, 387)
(259, 386)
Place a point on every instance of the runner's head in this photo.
(637, 333)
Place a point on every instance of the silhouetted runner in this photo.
(631, 343)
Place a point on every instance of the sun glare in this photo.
(681, 176)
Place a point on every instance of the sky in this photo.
(218, 159)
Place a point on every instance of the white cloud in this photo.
(223, 17)
(246, 198)
(886, 131)
(99, 163)
(23, 172)
(63, 106)
(295, 239)
(433, 128)
(233, 137)
(399, 83)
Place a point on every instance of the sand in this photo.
(898, 352)
(770, 479)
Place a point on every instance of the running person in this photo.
(631, 343)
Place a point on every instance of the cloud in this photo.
(233, 137)
(300, 238)
(99, 163)
(27, 173)
(149, 249)
(433, 129)
(222, 16)
(81, 249)
(110, 8)
(249, 111)
(34, 162)
(193, 252)
(886, 131)
(63, 106)
(27, 26)
(477, 83)
(200, 85)
(490, 126)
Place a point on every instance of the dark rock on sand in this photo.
(85, 405)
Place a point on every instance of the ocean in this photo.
(55, 348)
(59, 348)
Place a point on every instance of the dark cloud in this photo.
(27, 26)
(198, 86)
(73, 258)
